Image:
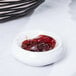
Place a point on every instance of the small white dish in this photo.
(37, 58)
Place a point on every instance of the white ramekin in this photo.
(37, 58)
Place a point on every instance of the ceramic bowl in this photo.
(37, 58)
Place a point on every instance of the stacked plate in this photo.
(10, 10)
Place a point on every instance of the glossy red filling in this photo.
(39, 44)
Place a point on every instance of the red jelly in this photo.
(39, 44)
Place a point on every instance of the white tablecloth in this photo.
(54, 16)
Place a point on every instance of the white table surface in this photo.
(54, 16)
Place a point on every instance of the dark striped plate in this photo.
(15, 9)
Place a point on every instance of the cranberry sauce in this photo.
(39, 44)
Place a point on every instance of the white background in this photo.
(58, 16)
